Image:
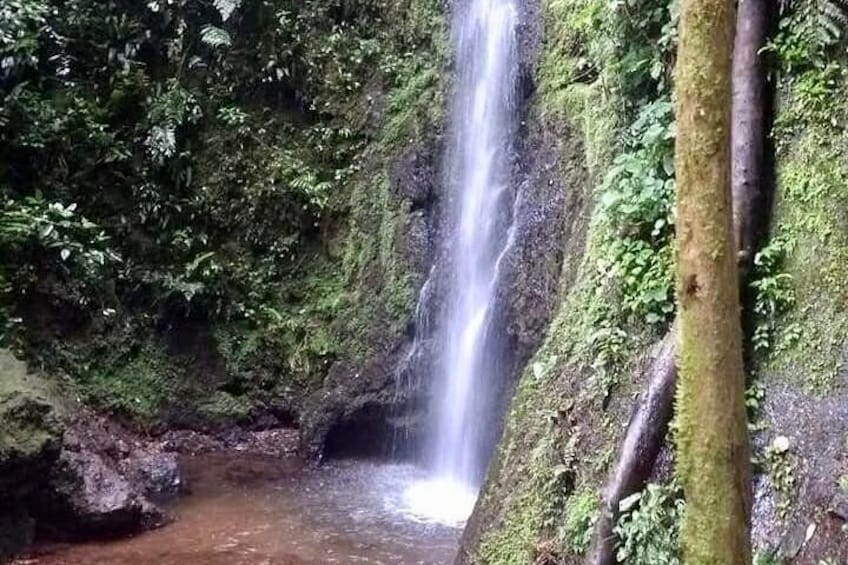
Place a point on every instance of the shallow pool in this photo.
(263, 510)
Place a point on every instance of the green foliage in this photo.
(608, 344)
(774, 297)
(37, 237)
(581, 513)
(755, 396)
(135, 387)
(648, 527)
(215, 37)
(227, 7)
(52, 227)
(637, 200)
(237, 344)
(809, 48)
(779, 463)
(648, 38)
(636, 226)
(21, 22)
(823, 22)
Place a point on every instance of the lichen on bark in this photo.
(713, 445)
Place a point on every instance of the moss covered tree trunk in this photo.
(713, 442)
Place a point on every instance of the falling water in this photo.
(485, 39)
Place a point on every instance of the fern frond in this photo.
(833, 20)
(227, 7)
(215, 37)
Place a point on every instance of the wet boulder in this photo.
(103, 485)
(30, 430)
(29, 441)
(157, 474)
(88, 497)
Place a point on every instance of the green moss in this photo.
(418, 103)
(581, 513)
(812, 214)
(522, 516)
(224, 407)
(28, 411)
(137, 387)
(574, 79)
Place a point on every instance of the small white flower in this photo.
(780, 444)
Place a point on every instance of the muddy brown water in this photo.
(267, 511)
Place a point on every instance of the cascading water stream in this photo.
(479, 171)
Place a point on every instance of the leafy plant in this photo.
(648, 527)
(55, 228)
(636, 201)
(215, 37)
(607, 344)
(774, 296)
(779, 464)
(21, 22)
(827, 18)
(226, 7)
(581, 513)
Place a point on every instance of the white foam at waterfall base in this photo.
(439, 500)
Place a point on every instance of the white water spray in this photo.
(485, 39)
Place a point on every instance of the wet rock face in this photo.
(412, 176)
(808, 528)
(30, 440)
(356, 405)
(157, 473)
(88, 497)
(105, 483)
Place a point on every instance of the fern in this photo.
(830, 17)
(227, 7)
(215, 37)
(833, 20)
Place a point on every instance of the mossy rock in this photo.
(30, 439)
(30, 431)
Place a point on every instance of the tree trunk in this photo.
(714, 451)
(641, 446)
(751, 110)
(751, 205)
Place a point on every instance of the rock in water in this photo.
(88, 497)
(68, 471)
(158, 474)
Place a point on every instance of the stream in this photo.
(256, 510)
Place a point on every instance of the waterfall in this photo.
(478, 167)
